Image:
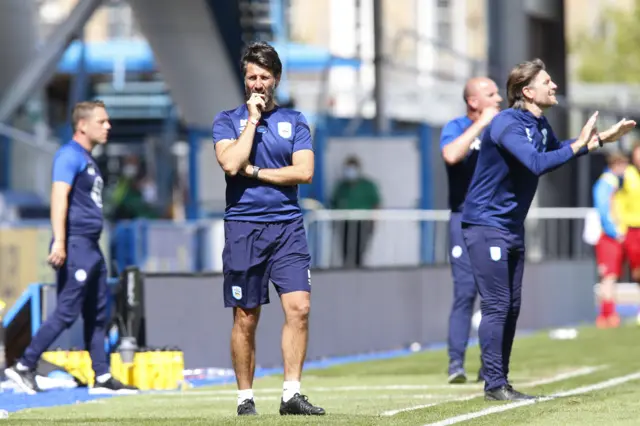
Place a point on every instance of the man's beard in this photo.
(267, 92)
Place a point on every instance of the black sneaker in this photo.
(247, 408)
(25, 379)
(457, 377)
(112, 387)
(300, 405)
(520, 394)
(506, 393)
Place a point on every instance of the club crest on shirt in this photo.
(243, 124)
(91, 170)
(284, 129)
(475, 145)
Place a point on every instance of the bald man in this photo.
(459, 144)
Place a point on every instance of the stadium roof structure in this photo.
(137, 56)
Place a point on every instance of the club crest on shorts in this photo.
(456, 252)
(236, 292)
(284, 129)
(495, 253)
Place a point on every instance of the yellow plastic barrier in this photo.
(158, 369)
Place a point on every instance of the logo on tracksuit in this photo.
(495, 253)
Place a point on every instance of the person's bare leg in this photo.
(295, 333)
(607, 301)
(243, 349)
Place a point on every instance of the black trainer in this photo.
(300, 405)
(112, 387)
(24, 378)
(247, 408)
(456, 373)
(520, 394)
(506, 393)
(457, 377)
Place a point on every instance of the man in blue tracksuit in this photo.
(460, 144)
(81, 271)
(516, 149)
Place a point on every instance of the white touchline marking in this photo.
(193, 396)
(577, 391)
(564, 376)
(365, 388)
(327, 389)
(557, 378)
(420, 407)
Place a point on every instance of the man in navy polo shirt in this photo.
(460, 144)
(266, 152)
(76, 219)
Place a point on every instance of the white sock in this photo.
(103, 378)
(21, 367)
(244, 394)
(289, 389)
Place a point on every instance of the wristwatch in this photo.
(256, 169)
(253, 121)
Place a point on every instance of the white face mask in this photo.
(149, 193)
(351, 172)
(130, 171)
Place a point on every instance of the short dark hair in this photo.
(83, 110)
(520, 77)
(352, 160)
(263, 55)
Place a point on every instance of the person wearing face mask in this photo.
(129, 199)
(355, 192)
(130, 171)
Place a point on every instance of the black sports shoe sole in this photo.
(106, 391)
(490, 397)
(457, 378)
(284, 413)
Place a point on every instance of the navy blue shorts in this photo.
(256, 253)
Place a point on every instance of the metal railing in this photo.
(385, 238)
(388, 238)
(31, 160)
